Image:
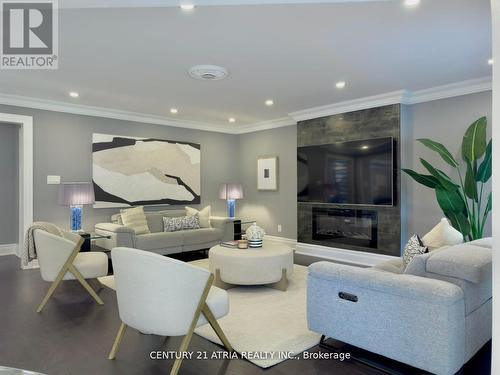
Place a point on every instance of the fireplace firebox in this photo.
(345, 226)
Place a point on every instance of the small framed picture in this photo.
(267, 173)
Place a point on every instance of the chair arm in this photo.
(403, 285)
(225, 224)
(120, 235)
(74, 237)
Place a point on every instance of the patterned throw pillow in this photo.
(413, 248)
(173, 224)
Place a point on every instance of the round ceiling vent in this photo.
(208, 72)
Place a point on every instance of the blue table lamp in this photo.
(75, 195)
(231, 192)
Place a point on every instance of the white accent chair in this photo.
(166, 297)
(59, 259)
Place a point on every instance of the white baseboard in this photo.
(283, 240)
(8, 249)
(31, 265)
(342, 255)
(360, 258)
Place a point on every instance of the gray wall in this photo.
(9, 182)
(445, 121)
(270, 208)
(62, 146)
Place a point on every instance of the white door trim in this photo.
(25, 124)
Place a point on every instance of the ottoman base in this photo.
(282, 284)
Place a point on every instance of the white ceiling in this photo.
(135, 58)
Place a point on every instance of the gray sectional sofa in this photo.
(434, 314)
(164, 242)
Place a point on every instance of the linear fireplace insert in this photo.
(345, 226)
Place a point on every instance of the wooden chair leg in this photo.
(187, 339)
(184, 347)
(51, 290)
(118, 341)
(85, 284)
(216, 327)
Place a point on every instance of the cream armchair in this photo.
(166, 297)
(59, 260)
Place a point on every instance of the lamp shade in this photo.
(76, 193)
(231, 191)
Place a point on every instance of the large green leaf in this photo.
(440, 149)
(450, 200)
(459, 222)
(474, 141)
(470, 184)
(443, 179)
(484, 171)
(424, 179)
(489, 205)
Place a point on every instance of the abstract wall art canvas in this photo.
(129, 171)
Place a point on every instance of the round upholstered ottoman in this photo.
(270, 264)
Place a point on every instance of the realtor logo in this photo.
(29, 34)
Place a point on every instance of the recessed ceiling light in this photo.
(187, 7)
(411, 3)
(74, 94)
(490, 61)
(269, 102)
(173, 111)
(231, 119)
(340, 85)
(365, 147)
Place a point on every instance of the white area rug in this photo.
(266, 320)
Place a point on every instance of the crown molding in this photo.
(78, 109)
(402, 96)
(389, 98)
(394, 97)
(449, 91)
(265, 125)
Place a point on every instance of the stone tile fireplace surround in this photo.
(373, 229)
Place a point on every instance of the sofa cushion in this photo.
(483, 242)
(203, 214)
(154, 218)
(155, 221)
(136, 219)
(162, 240)
(202, 235)
(465, 261)
(443, 234)
(393, 266)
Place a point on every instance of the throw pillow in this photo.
(413, 248)
(173, 224)
(204, 215)
(135, 218)
(443, 234)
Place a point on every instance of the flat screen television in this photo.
(355, 172)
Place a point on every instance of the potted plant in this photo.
(464, 202)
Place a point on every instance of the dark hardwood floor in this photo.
(73, 335)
